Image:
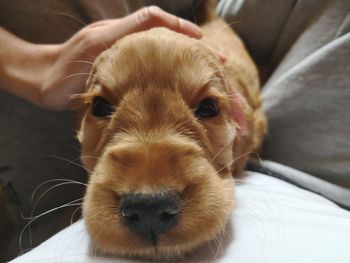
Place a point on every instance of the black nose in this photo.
(150, 214)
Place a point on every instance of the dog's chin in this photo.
(167, 249)
(154, 253)
(206, 207)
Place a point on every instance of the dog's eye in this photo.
(207, 108)
(101, 107)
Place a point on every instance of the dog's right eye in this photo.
(101, 107)
(207, 108)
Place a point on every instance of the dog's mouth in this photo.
(162, 220)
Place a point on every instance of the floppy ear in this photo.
(242, 144)
(251, 130)
(238, 107)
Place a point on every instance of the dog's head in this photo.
(157, 134)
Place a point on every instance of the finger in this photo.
(153, 16)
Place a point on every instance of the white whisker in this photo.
(54, 180)
(32, 219)
(220, 151)
(70, 162)
(81, 61)
(232, 161)
(73, 214)
(71, 17)
(77, 74)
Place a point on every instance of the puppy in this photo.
(165, 124)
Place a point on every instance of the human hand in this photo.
(68, 64)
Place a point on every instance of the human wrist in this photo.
(23, 67)
(44, 58)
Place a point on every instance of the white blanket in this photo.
(274, 222)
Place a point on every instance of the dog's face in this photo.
(157, 135)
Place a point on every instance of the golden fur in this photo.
(153, 142)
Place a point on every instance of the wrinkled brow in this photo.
(96, 89)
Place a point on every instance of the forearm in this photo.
(23, 66)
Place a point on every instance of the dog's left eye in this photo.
(207, 108)
(101, 107)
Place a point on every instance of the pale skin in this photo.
(47, 75)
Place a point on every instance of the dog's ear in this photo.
(242, 144)
(251, 128)
(238, 107)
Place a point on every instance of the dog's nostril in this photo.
(167, 216)
(131, 218)
(150, 215)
